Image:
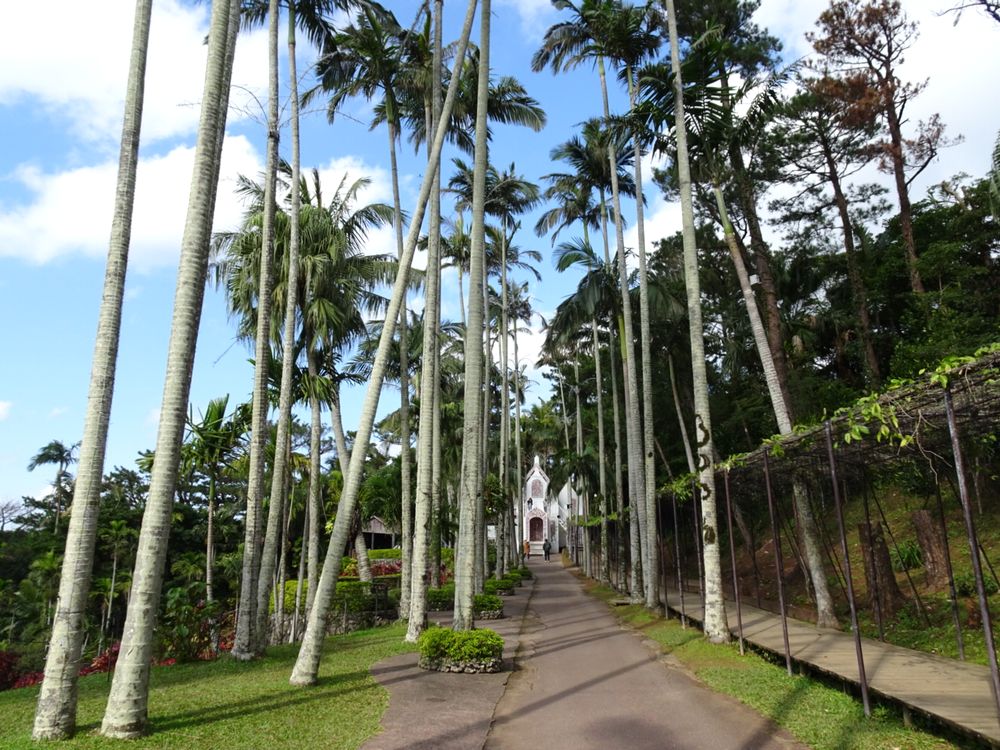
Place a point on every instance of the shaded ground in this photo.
(581, 681)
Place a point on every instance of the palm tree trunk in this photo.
(55, 713)
(715, 624)
(502, 551)
(246, 621)
(310, 538)
(471, 493)
(633, 425)
(126, 714)
(652, 577)
(303, 554)
(602, 481)
(616, 416)
(416, 583)
(518, 476)
(307, 664)
(404, 367)
(282, 448)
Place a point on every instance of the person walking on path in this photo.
(547, 548)
(527, 550)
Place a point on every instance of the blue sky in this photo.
(60, 115)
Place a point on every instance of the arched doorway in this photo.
(536, 529)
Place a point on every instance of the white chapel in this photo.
(543, 514)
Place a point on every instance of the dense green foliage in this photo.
(460, 646)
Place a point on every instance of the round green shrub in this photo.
(526, 573)
(487, 607)
(500, 587)
(469, 651)
(441, 599)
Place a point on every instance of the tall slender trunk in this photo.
(471, 494)
(423, 522)
(246, 621)
(55, 713)
(307, 664)
(303, 554)
(807, 523)
(311, 532)
(404, 365)
(503, 552)
(633, 424)
(857, 282)
(518, 476)
(652, 577)
(903, 195)
(715, 624)
(688, 453)
(282, 443)
(615, 414)
(126, 714)
(602, 481)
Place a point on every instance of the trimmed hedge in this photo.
(526, 573)
(469, 651)
(442, 599)
(356, 593)
(502, 587)
(487, 607)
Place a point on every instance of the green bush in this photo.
(350, 593)
(494, 586)
(437, 644)
(965, 584)
(907, 556)
(442, 598)
(526, 573)
(486, 603)
(514, 575)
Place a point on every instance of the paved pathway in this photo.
(956, 693)
(581, 682)
(585, 682)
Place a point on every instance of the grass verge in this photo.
(234, 704)
(821, 715)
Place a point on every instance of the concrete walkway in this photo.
(585, 682)
(958, 694)
(581, 681)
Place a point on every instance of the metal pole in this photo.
(847, 571)
(970, 529)
(677, 558)
(952, 593)
(732, 558)
(873, 593)
(779, 564)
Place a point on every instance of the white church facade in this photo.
(545, 515)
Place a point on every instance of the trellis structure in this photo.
(932, 428)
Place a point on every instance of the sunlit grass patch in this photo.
(235, 704)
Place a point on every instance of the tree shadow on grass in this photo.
(274, 700)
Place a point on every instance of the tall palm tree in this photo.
(62, 456)
(472, 438)
(126, 712)
(716, 626)
(307, 664)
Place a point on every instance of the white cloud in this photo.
(83, 199)
(57, 411)
(5, 409)
(535, 15)
(88, 89)
(153, 417)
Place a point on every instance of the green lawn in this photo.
(239, 705)
(818, 714)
